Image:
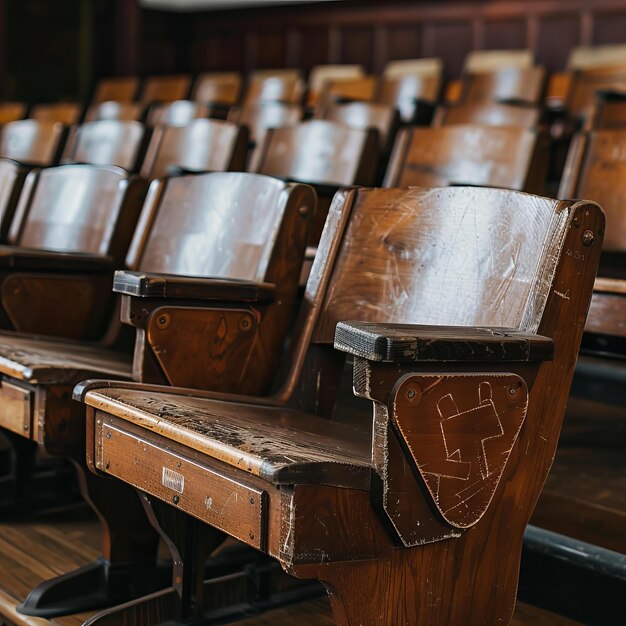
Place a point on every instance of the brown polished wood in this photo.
(609, 111)
(322, 74)
(106, 142)
(32, 142)
(67, 113)
(112, 110)
(165, 88)
(12, 111)
(117, 89)
(488, 114)
(404, 92)
(418, 256)
(201, 146)
(499, 156)
(525, 84)
(586, 83)
(267, 87)
(177, 113)
(217, 88)
(361, 89)
(12, 177)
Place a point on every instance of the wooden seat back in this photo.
(609, 111)
(201, 145)
(262, 88)
(111, 110)
(67, 113)
(586, 83)
(495, 156)
(488, 114)
(596, 168)
(258, 118)
(165, 88)
(365, 115)
(107, 142)
(177, 113)
(320, 152)
(217, 88)
(32, 141)
(77, 208)
(362, 89)
(321, 74)
(12, 111)
(414, 67)
(593, 57)
(116, 89)
(403, 92)
(492, 60)
(518, 84)
(12, 177)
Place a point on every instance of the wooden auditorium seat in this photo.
(32, 142)
(410, 94)
(67, 113)
(497, 156)
(165, 88)
(321, 74)
(12, 111)
(116, 89)
(609, 111)
(217, 88)
(323, 154)
(106, 142)
(220, 252)
(586, 83)
(478, 61)
(177, 113)
(203, 145)
(12, 177)
(462, 319)
(488, 114)
(510, 84)
(112, 110)
(264, 87)
(358, 89)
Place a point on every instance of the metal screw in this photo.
(251, 500)
(304, 211)
(410, 394)
(588, 238)
(251, 535)
(244, 323)
(512, 390)
(25, 426)
(109, 435)
(107, 465)
(175, 499)
(163, 321)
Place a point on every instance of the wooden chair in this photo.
(12, 177)
(116, 89)
(232, 247)
(259, 118)
(221, 88)
(111, 110)
(488, 114)
(32, 142)
(320, 74)
(497, 156)
(264, 88)
(12, 111)
(391, 512)
(71, 227)
(479, 61)
(511, 84)
(203, 145)
(586, 83)
(165, 88)
(107, 142)
(323, 154)
(67, 113)
(361, 89)
(609, 111)
(410, 94)
(177, 113)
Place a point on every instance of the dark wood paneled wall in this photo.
(374, 32)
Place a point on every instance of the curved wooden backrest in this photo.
(365, 115)
(321, 74)
(274, 88)
(586, 83)
(593, 57)
(12, 176)
(596, 168)
(491, 60)
(118, 89)
(222, 224)
(521, 84)
(31, 141)
(165, 88)
(217, 88)
(202, 145)
(177, 113)
(12, 111)
(414, 67)
(71, 208)
(488, 114)
(452, 256)
(65, 112)
(260, 117)
(495, 156)
(609, 111)
(108, 142)
(111, 110)
(320, 152)
(403, 92)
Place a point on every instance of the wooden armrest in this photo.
(402, 343)
(146, 285)
(14, 258)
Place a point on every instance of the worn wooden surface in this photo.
(177, 113)
(404, 91)
(282, 86)
(111, 110)
(165, 88)
(118, 89)
(32, 141)
(65, 112)
(489, 114)
(585, 83)
(217, 88)
(521, 84)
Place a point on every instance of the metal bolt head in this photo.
(163, 321)
(109, 434)
(588, 238)
(175, 499)
(251, 500)
(245, 323)
(303, 210)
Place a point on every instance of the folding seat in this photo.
(232, 246)
(113, 110)
(217, 88)
(488, 114)
(280, 86)
(323, 154)
(165, 88)
(12, 177)
(116, 89)
(586, 83)
(107, 142)
(495, 156)
(32, 142)
(510, 84)
(609, 111)
(12, 111)
(321, 74)
(361, 89)
(177, 113)
(67, 113)
(202, 145)
(414, 95)
(464, 344)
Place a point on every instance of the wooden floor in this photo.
(51, 544)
